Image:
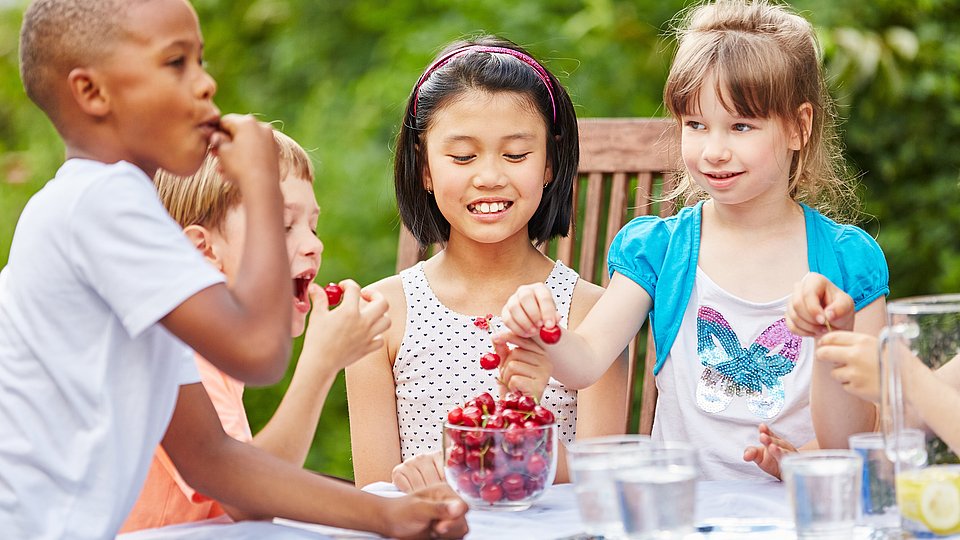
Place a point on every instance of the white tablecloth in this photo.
(553, 517)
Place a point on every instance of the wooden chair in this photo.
(624, 168)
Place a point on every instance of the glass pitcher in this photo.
(929, 328)
(928, 498)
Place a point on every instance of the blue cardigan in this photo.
(660, 255)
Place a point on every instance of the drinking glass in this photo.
(657, 491)
(824, 491)
(877, 491)
(592, 463)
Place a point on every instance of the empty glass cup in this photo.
(592, 464)
(824, 491)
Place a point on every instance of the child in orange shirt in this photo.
(209, 210)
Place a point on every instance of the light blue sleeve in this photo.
(638, 251)
(863, 267)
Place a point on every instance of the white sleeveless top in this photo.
(733, 366)
(438, 363)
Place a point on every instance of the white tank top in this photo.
(438, 363)
(733, 365)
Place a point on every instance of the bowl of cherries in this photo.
(500, 454)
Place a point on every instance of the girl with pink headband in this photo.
(485, 162)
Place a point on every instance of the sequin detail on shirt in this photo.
(733, 371)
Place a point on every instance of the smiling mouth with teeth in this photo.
(489, 207)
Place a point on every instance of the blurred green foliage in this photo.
(335, 75)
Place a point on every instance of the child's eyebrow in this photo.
(183, 44)
(468, 138)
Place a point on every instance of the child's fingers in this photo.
(775, 451)
(376, 306)
(447, 511)
(318, 298)
(531, 306)
(799, 322)
(351, 292)
(500, 346)
(516, 319)
(231, 122)
(546, 306)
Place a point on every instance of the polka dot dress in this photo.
(438, 363)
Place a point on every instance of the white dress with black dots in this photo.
(438, 364)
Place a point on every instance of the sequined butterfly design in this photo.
(755, 372)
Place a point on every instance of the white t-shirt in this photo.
(88, 379)
(733, 366)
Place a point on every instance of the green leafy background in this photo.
(336, 74)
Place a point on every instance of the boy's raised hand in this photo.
(247, 151)
(529, 308)
(817, 306)
(339, 337)
(432, 512)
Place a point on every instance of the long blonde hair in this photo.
(766, 62)
(204, 198)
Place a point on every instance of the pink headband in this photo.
(526, 59)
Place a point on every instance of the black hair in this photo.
(480, 70)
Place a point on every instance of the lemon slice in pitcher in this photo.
(940, 506)
(932, 497)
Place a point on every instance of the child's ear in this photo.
(427, 179)
(202, 239)
(87, 92)
(804, 125)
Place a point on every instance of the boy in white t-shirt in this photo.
(103, 296)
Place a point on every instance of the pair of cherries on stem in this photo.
(491, 360)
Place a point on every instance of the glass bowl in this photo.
(504, 468)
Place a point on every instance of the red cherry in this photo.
(474, 439)
(542, 415)
(526, 404)
(472, 416)
(456, 457)
(491, 360)
(473, 458)
(486, 403)
(491, 493)
(466, 485)
(495, 421)
(550, 335)
(512, 417)
(480, 477)
(513, 435)
(513, 483)
(510, 400)
(334, 294)
(455, 416)
(517, 495)
(536, 464)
